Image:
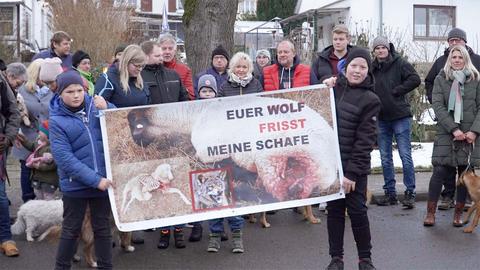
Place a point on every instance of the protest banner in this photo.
(190, 161)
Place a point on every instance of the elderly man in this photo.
(15, 76)
(394, 79)
(168, 44)
(59, 47)
(456, 36)
(287, 72)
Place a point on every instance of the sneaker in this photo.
(213, 242)
(366, 264)
(179, 238)
(409, 200)
(335, 264)
(237, 242)
(164, 240)
(387, 199)
(9, 248)
(446, 203)
(322, 206)
(196, 234)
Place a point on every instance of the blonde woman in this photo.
(456, 99)
(240, 77)
(37, 99)
(123, 85)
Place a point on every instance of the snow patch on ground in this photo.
(421, 154)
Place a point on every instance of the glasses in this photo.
(138, 66)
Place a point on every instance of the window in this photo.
(432, 22)
(6, 21)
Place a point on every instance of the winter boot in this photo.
(213, 242)
(196, 234)
(409, 200)
(446, 203)
(430, 218)
(237, 242)
(366, 264)
(164, 240)
(335, 264)
(457, 216)
(178, 237)
(387, 199)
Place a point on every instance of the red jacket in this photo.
(271, 81)
(185, 75)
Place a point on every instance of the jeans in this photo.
(440, 175)
(401, 129)
(73, 214)
(354, 202)
(25, 183)
(5, 233)
(235, 223)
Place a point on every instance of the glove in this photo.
(4, 144)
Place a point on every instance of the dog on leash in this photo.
(36, 217)
(472, 182)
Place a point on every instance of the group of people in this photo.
(62, 146)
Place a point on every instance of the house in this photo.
(24, 25)
(418, 27)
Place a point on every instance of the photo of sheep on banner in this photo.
(190, 161)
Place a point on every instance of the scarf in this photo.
(243, 82)
(455, 100)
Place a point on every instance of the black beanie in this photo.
(359, 52)
(220, 51)
(78, 56)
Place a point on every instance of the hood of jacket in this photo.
(393, 56)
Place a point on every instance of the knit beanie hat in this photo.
(207, 80)
(50, 69)
(457, 33)
(67, 78)
(120, 48)
(380, 41)
(78, 56)
(220, 51)
(264, 53)
(43, 127)
(359, 52)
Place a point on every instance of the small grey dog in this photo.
(36, 217)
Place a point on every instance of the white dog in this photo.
(36, 217)
(140, 186)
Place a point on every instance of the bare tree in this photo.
(208, 23)
(95, 26)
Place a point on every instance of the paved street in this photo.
(399, 242)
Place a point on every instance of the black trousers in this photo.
(440, 175)
(73, 214)
(449, 186)
(354, 203)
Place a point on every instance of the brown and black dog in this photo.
(86, 237)
(472, 182)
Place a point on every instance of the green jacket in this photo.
(46, 173)
(89, 78)
(446, 151)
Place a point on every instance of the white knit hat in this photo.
(50, 69)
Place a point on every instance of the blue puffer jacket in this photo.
(76, 143)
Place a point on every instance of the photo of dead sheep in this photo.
(152, 189)
(211, 189)
(178, 134)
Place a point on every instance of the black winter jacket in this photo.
(357, 108)
(230, 88)
(438, 66)
(394, 78)
(164, 84)
(321, 66)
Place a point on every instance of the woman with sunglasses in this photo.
(123, 85)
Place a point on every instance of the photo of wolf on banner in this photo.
(186, 162)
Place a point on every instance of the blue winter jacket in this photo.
(220, 78)
(76, 143)
(112, 90)
(66, 60)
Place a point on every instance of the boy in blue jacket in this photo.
(76, 143)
